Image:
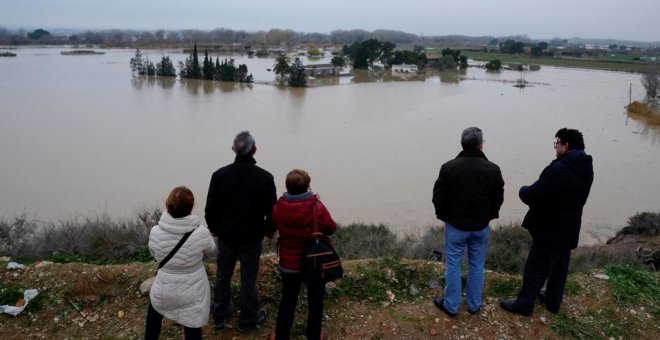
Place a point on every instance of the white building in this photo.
(405, 68)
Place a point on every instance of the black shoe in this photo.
(221, 325)
(543, 301)
(512, 306)
(474, 312)
(262, 314)
(440, 303)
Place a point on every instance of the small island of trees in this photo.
(191, 68)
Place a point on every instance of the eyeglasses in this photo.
(557, 143)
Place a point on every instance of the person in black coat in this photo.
(238, 211)
(554, 218)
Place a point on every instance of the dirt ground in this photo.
(84, 301)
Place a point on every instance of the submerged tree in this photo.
(494, 65)
(281, 68)
(463, 61)
(207, 67)
(137, 63)
(190, 67)
(338, 61)
(297, 76)
(141, 65)
(165, 68)
(651, 80)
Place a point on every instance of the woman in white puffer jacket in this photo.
(181, 291)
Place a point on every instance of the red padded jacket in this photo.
(295, 222)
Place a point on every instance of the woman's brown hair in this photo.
(297, 182)
(180, 202)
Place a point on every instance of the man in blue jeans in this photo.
(467, 195)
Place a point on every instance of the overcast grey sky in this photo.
(539, 19)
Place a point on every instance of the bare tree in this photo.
(651, 81)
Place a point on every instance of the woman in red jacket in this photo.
(293, 214)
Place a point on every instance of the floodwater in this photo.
(79, 135)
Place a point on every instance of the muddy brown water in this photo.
(79, 135)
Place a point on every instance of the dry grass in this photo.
(643, 112)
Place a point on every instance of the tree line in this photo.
(191, 68)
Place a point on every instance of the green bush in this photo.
(15, 234)
(508, 249)
(95, 239)
(585, 259)
(358, 241)
(422, 247)
(645, 223)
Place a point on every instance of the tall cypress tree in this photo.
(216, 71)
(196, 71)
(207, 68)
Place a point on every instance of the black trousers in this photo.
(228, 254)
(544, 265)
(291, 284)
(155, 321)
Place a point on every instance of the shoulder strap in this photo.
(176, 248)
(316, 227)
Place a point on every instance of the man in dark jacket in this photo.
(555, 203)
(238, 211)
(467, 195)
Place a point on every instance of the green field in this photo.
(610, 64)
(610, 61)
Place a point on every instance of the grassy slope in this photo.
(96, 301)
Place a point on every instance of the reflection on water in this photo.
(649, 126)
(140, 82)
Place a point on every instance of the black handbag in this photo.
(320, 262)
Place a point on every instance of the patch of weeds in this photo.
(633, 285)
(568, 326)
(572, 286)
(142, 254)
(611, 324)
(59, 257)
(373, 280)
(9, 295)
(37, 303)
(378, 336)
(368, 285)
(503, 288)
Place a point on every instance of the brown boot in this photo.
(324, 334)
(271, 336)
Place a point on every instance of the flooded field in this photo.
(79, 135)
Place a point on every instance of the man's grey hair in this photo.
(471, 138)
(243, 143)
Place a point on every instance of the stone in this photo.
(602, 276)
(145, 287)
(42, 264)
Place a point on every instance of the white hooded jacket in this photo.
(181, 291)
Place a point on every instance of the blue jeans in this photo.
(477, 244)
